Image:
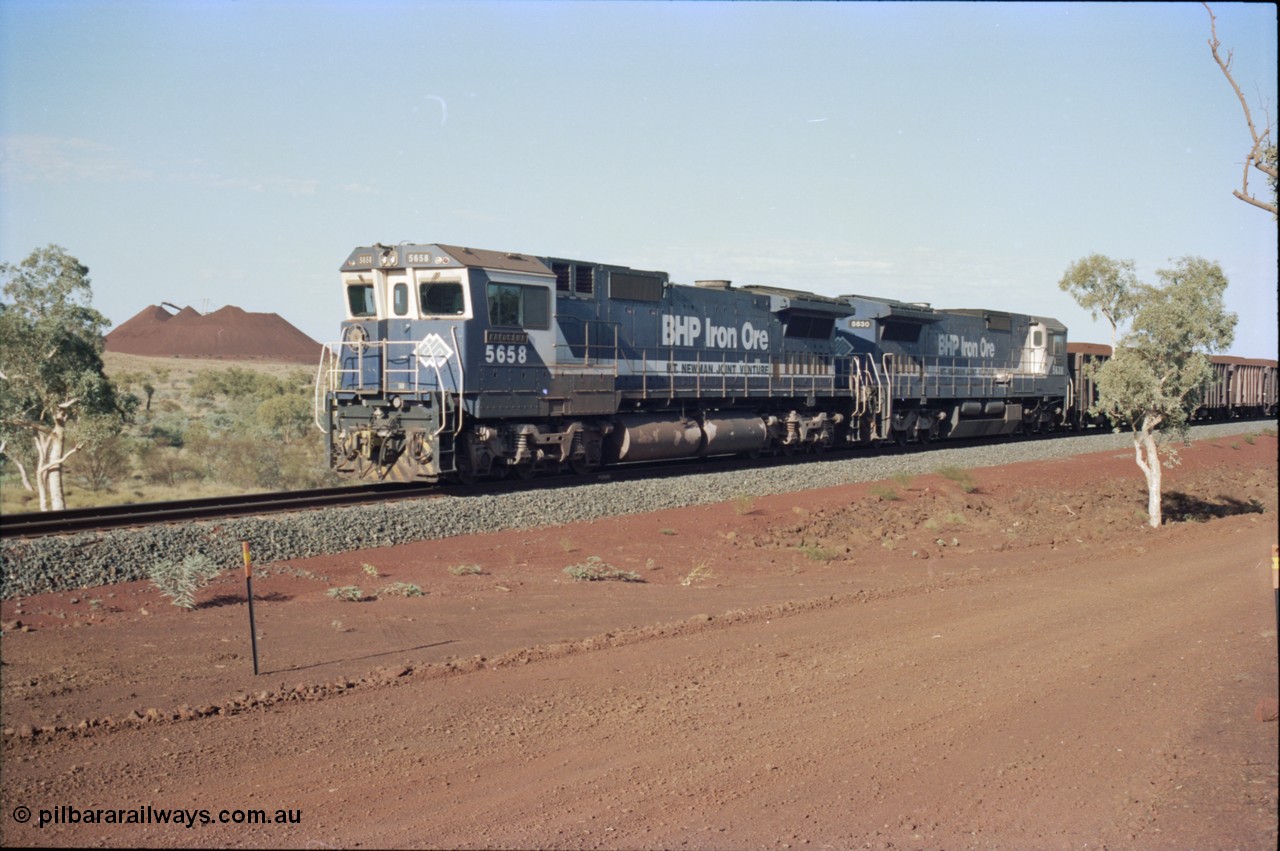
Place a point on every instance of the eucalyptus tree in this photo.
(1160, 366)
(50, 367)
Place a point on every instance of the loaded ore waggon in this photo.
(1237, 388)
(459, 363)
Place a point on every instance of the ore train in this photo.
(460, 364)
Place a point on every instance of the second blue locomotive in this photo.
(461, 363)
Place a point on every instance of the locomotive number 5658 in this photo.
(506, 354)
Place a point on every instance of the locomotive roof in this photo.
(893, 309)
(505, 260)
(439, 255)
(1051, 324)
(786, 299)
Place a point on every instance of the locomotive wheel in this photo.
(524, 472)
(582, 467)
(463, 471)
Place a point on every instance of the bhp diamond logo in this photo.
(433, 351)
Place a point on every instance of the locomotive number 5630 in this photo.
(506, 354)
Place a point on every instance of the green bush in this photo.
(401, 589)
(595, 570)
(961, 477)
(181, 580)
(885, 492)
(818, 553)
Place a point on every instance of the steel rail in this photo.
(37, 524)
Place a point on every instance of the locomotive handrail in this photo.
(462, 383)
(885, 360)
(409, 373)
(594, 352)
(342, 367)
(320, 394)
(435, 365)
(337, 370)
(938, 376)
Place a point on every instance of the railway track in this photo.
(40, 524)
(36, 524)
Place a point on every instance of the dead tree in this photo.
(1262, 155)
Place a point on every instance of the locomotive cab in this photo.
(390, 316)
(446, 366)
(1044, 351)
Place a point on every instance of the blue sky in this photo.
(220, 152)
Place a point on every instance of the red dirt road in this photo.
(1020, 666)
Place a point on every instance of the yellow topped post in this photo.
(248, 587)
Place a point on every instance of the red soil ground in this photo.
(1012, 661)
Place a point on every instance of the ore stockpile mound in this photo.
(230, 333)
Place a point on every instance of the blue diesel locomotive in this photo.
(459, 363)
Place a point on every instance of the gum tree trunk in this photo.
(51, 454)
(1147, 455)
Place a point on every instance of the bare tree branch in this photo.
(55, 463)
(1257, 154)
(22, 470)
(1249, 199)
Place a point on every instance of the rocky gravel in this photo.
(90, 559)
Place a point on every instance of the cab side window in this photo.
(519, 306)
